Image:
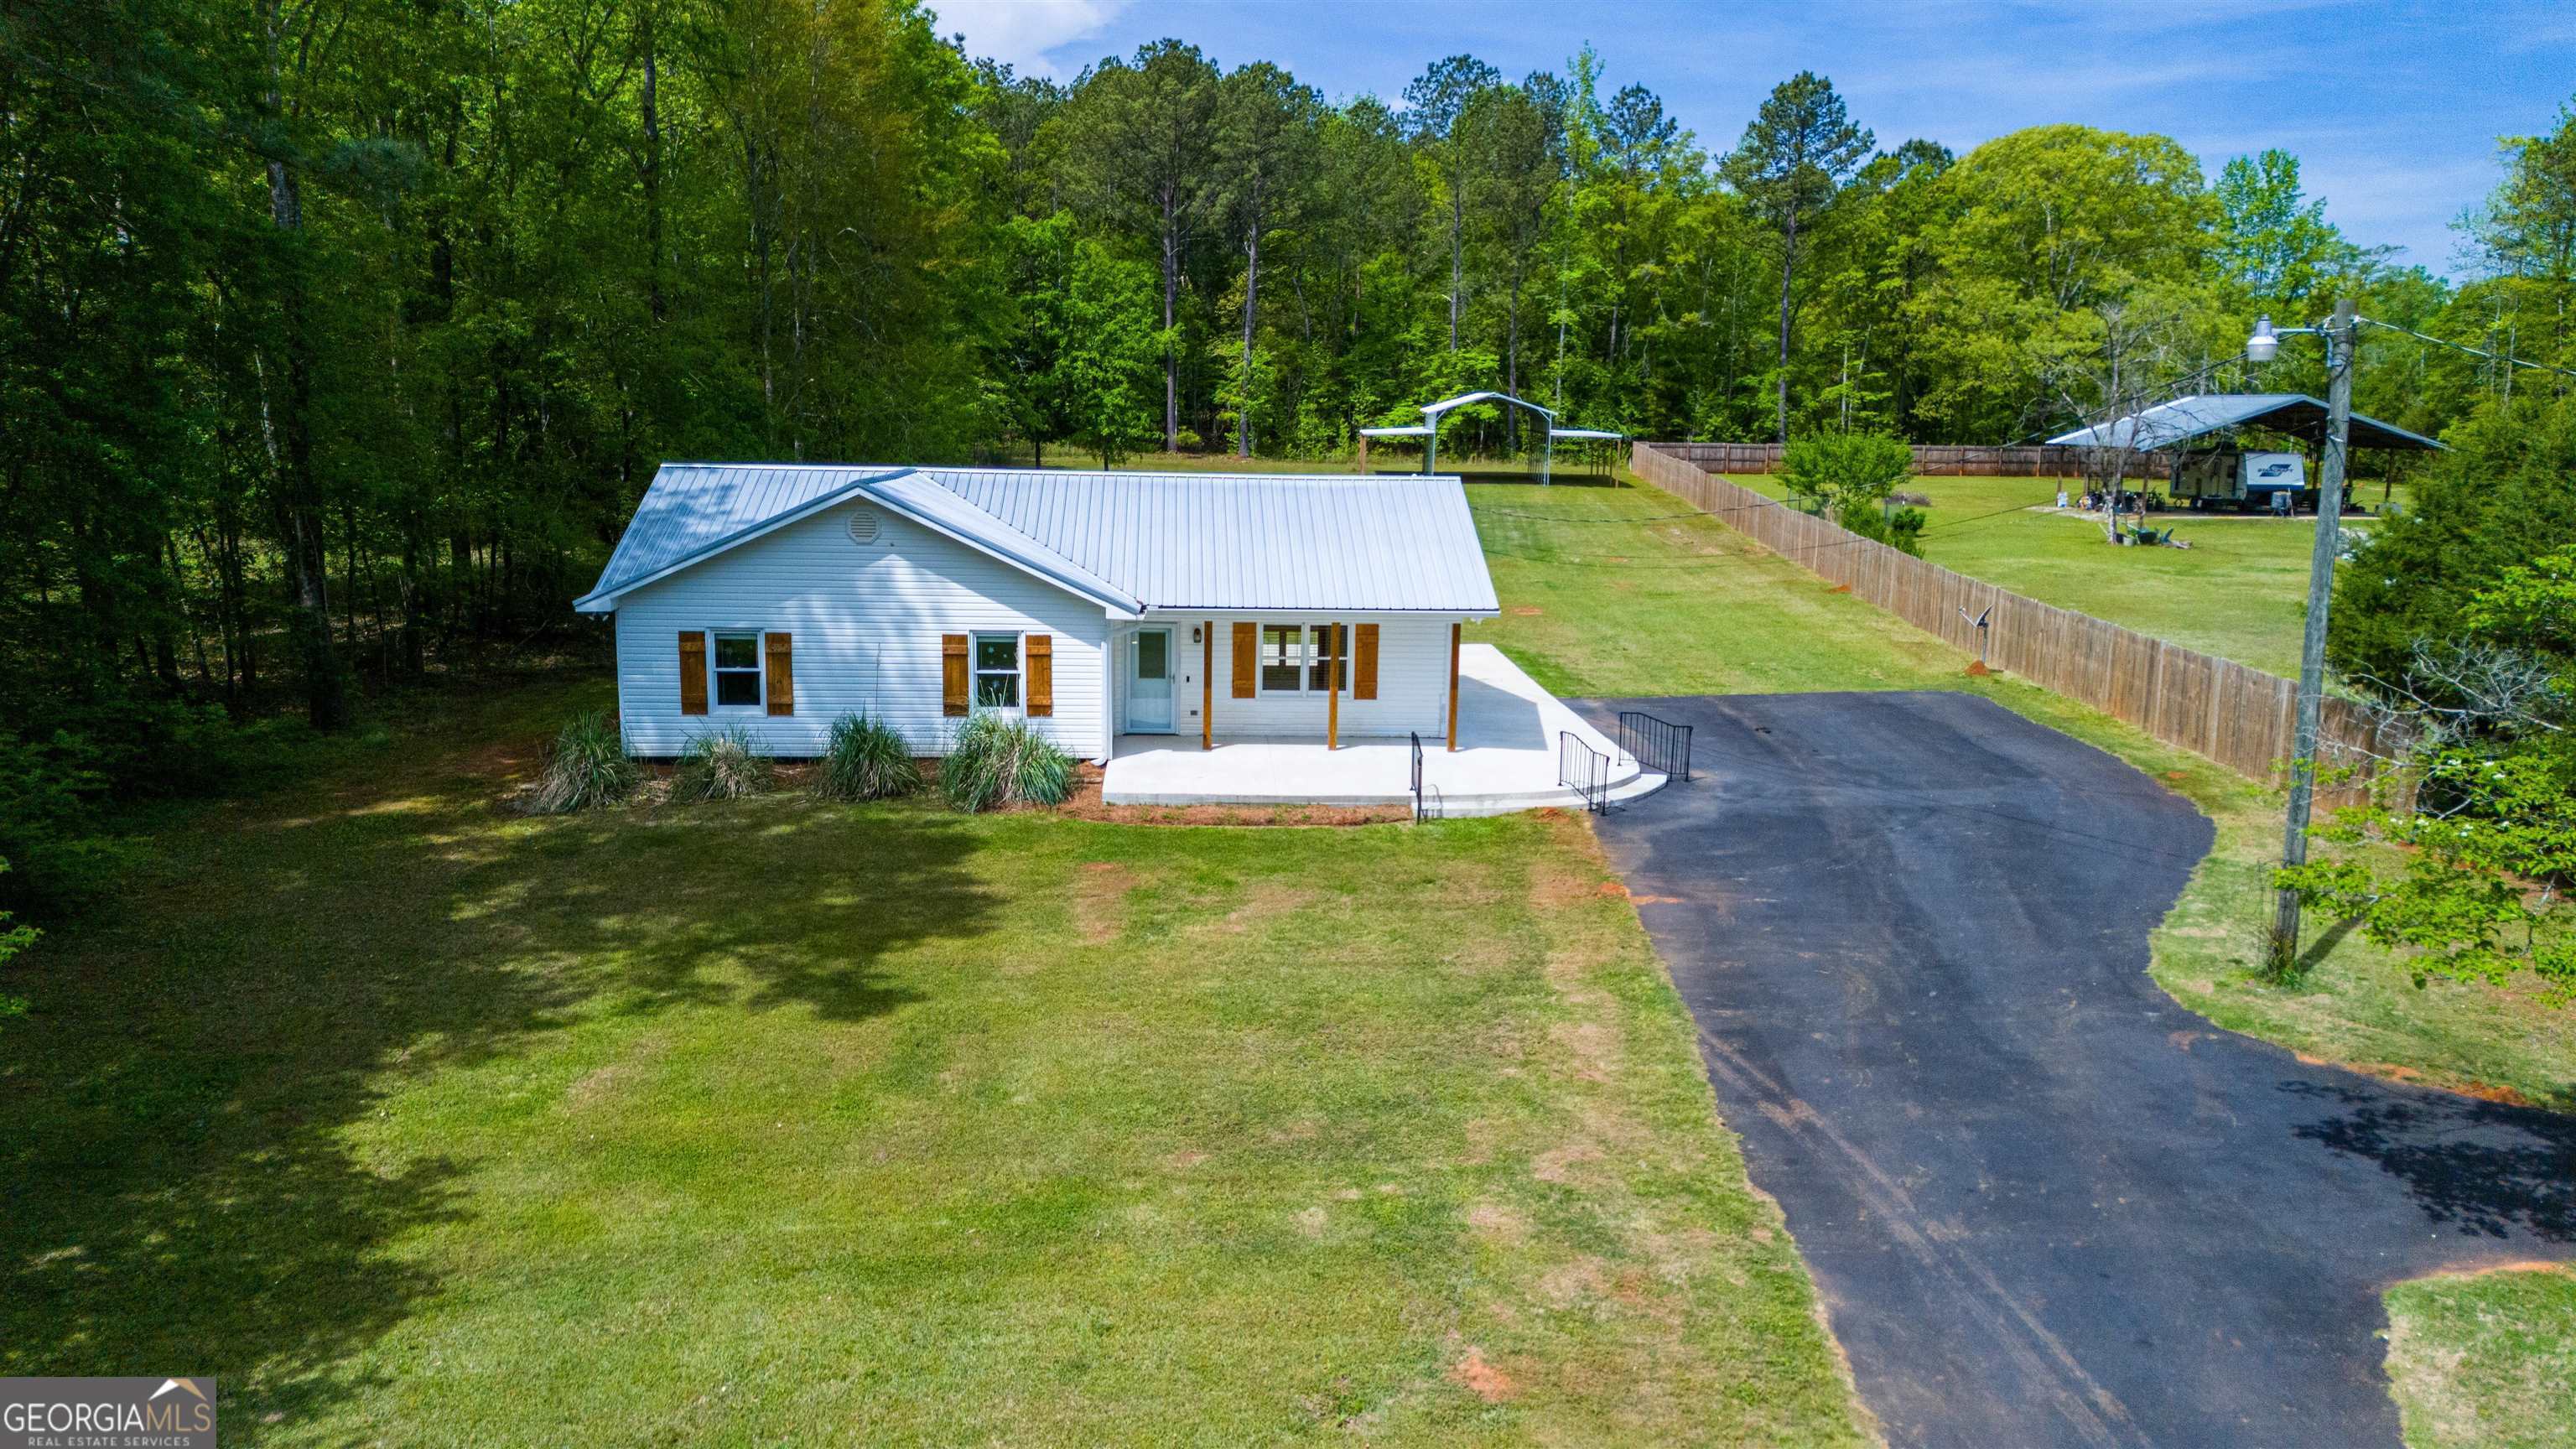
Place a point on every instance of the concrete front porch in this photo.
(1506, 758)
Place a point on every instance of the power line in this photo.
(2504, 357)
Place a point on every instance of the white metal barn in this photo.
(1197, 607)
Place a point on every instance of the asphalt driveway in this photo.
(2044, 1203)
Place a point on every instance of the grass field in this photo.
(2238, 592)
(2485, 1362)
(419, 1121)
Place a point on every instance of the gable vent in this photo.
(863, 526)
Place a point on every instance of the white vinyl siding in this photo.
(866, 620)
(1412, 680)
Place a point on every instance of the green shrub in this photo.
(1002, 760)
(726, 764)
(1832, 473)
(50, 798)
(1900, 529)
(867, 759)
(13, 939)
(587, 768)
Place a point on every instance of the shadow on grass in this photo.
(182, 1191)
(2323, 946)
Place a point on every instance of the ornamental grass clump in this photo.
(867, 759)
(725, 764)
(586, 769)
(998, 760)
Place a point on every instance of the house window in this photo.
(737, 669)
(1326, 641)
(997, 671)
(1296, 658)
(1283, 657)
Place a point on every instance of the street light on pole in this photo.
(2339, 334)
(2262, 346)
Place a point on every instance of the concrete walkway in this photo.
(1506, 758)
(2045, 1204)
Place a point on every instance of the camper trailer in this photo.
(2233, 479)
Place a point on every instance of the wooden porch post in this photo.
(1363, 467)
(1453, 687)
(1332, 686)
(1207, 685)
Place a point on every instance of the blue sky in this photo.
(2393, 109)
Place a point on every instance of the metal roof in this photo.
(692, 508)
(1252, 541)
(1131, 541)
(1434, 410)
(2184, 419)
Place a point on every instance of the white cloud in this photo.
(1023, 32)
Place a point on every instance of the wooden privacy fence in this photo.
(2240, 717)
(1932, 460)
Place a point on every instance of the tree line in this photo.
(339, 337)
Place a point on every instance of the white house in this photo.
(1199, 607)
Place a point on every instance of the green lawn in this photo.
(2238, 592)
(2485, 1362)
(420, 1122)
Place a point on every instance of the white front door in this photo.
(1149, 682)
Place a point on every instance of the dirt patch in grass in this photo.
(1100, 901)
(1266, 900)
(1570, 1285)
(1569, 879)
(1592, 1047)
(1559, 1164)
(1483, 1379)
(1494, 1220)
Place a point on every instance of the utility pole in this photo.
(2339, 340)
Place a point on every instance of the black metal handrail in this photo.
(1417, 774)
(1585, 769)
(1658, 744)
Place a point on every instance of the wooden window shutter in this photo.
(693, 671)
(1041, 656)
(1247, 654)
(1364, 664)
(952, 675)
(782, 673)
